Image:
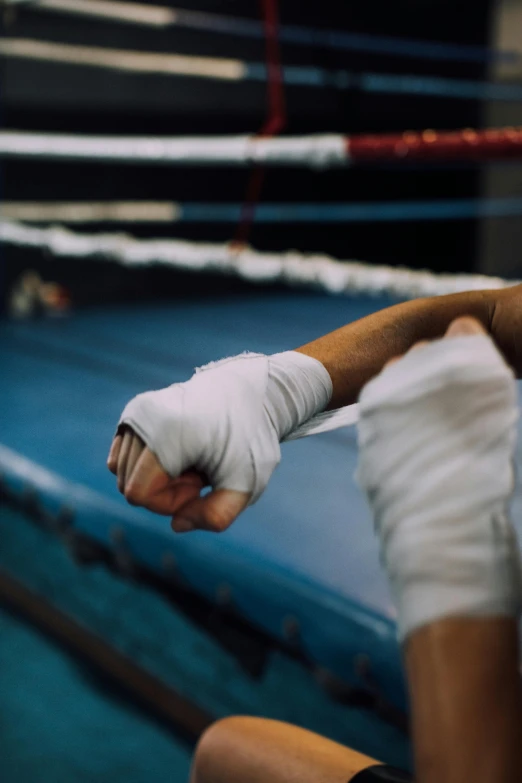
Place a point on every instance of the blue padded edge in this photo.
(333, 631)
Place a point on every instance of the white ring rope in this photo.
(135, 13)
(293, 268)
(132, 61)
(91, 211)
(317, 151)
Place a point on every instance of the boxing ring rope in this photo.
(316, 151)
(161, 17)
(267, 213)
(233, 70)
(292, 268)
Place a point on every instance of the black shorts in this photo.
(382, 774)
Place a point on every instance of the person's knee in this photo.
(215, 750)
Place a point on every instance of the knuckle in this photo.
(134, 495)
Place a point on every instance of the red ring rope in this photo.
(429, 144)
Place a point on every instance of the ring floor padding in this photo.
(304, 557)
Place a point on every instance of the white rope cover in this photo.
(315, 151)
(137, 13)
(293, 268)
(90, 211)
(132, 61)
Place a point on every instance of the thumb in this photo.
(215, 511)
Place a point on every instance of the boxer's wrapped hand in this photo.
(221, 428)
(437, 434)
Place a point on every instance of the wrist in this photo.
(474, 574)
(299, 388)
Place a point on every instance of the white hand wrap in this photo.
(230, 417)
(437, 433)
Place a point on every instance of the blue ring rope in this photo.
(392, 84)
(381, 212)
(348, 42)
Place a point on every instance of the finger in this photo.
(418, 346)
(151, 487)
(122, 458)
(112, 459)
(415, 347)
(177, 494)
(137, 446)
(214, 512)
(466, 325)
(148, 478)
(192, 476)
(393, 361)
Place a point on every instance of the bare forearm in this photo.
(356, 352)
(466, 701)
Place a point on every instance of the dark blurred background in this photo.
(69, 98)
